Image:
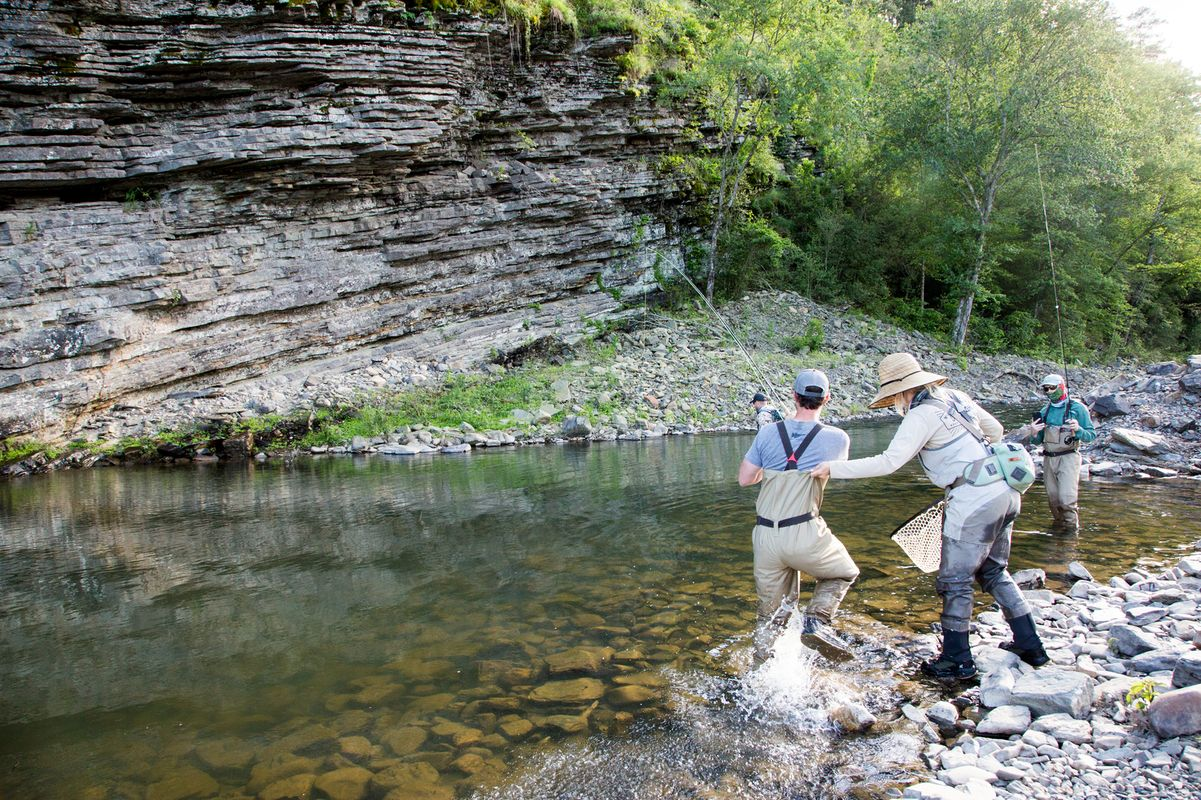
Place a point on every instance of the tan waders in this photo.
(1061, 475)
(791, 538)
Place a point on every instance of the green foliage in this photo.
(12, 450)
(1139, 699)
(136, 198)
(811, 341)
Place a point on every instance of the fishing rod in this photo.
(767, 385)
(1051, 260)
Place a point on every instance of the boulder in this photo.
(1054, 691)
(1191, 383)
(1150, 443)
(1111, 405)
(1176, 713)
(576, 427)
(1164, 368)
(1162, 659)
(1127, 640)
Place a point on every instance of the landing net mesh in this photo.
(921, 537)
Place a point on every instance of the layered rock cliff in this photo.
(193, 195)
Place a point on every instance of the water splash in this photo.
(758, 732)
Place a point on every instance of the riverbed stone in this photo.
(1128, 640)
(516, 729)
(1079, 572)
(1145, 615)
(418, 778)
(1176, 713)
(1030, 578)
(225, 756)
(1050, 690)
(578, 690)
(277, 768)
(928, 790)
(852, 717)
(1159, 660)
(579, 659)
(348, 783)
(295, 787)
(405, 740)
(186, 783)
(1187, 671)
(630, 695)
(1064, 728)
(996, 687)
(1005, 721)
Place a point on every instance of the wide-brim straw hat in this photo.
(900, 372)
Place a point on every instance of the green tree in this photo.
(974, 85)
(770, 69)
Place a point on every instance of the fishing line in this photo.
(767, 386)
(1051, 260)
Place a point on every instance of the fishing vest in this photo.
(1059, 439)
(969, 457)
(945, 463)
(789, 496)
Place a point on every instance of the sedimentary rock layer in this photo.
(193, 195)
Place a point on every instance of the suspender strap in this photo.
(784, 523)
(782, 429)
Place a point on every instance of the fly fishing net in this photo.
(921, 537)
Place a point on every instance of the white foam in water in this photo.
(761, 735)
(790, 688)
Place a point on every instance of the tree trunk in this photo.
(963, 315)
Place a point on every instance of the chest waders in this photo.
(790, 537)
(1061, 470)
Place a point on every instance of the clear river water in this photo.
(544, 622)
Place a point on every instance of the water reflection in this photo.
(157, 622)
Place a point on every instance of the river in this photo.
(559, 621)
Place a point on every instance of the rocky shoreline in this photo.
(1114, 715)
(659, 376)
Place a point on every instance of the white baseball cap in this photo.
(1053, 380)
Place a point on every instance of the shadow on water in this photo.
(544, 622)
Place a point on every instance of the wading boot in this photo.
(1026, 645)
(955, 663)
(818, 635)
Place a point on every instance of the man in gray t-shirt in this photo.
(790, 537)
(767, 451)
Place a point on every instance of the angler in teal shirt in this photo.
(1061, 427)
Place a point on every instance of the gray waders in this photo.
(790, 538)
(1061, 476)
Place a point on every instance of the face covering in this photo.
(1055, 394)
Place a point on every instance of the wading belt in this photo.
(1059, 452)
(791, 463)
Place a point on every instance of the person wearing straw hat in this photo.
(944, 428)
(790, 537)
(1061, 427)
